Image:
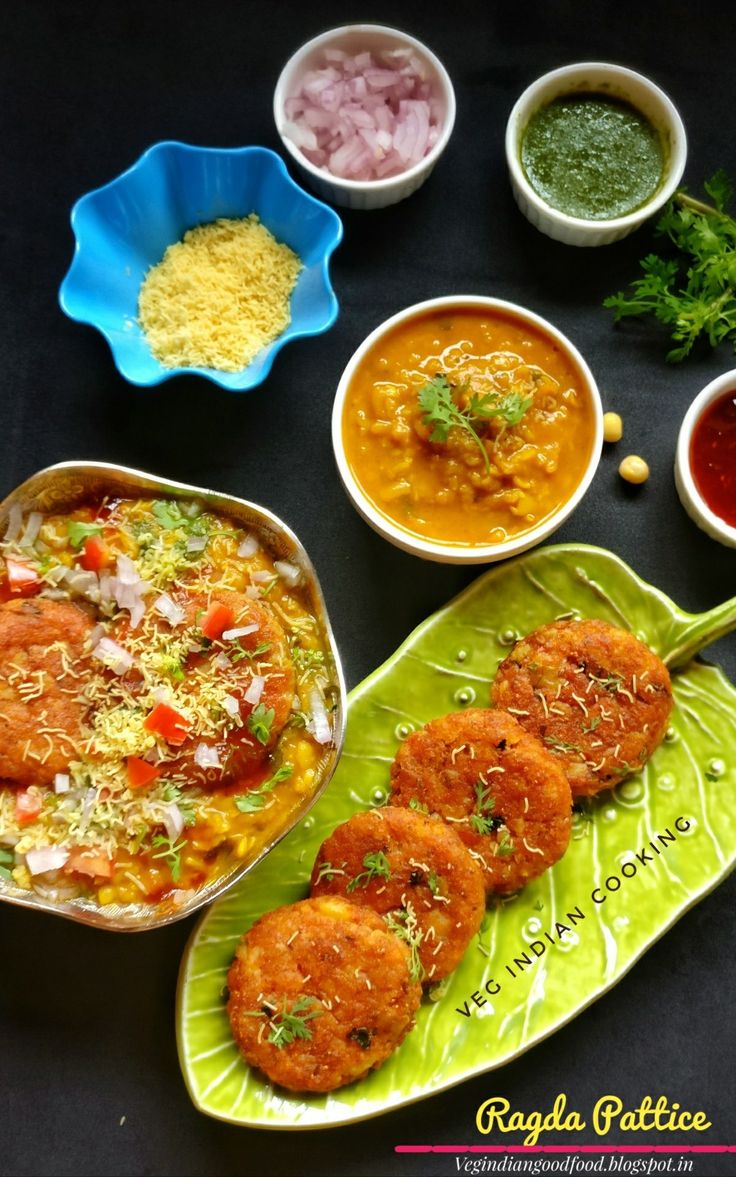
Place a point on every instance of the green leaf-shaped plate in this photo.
(445, 664)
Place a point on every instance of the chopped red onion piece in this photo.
(46, 858)
(252, 593)
(319, 724)
(169, 609)
(33, 526)
(248, 547)
(90, 800)
(207, 757)
(116, 657)
(231, 705)
(255, 690)
(173, 819)
(288, 572)
(221, 661)
(261, 577)
(232, 635)
(15, 523)
(196, 543)
(61, 782)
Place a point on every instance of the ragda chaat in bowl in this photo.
(466, 429)
(171, 701)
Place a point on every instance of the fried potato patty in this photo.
(42, 654)
(502, 791)
(320, 993)
(402, 862)
(264, 654)
(596, 696)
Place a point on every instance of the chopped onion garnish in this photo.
(84, 584)
(33, 526)
(61, 782)
(365, 117)
(232, 635)
(221, 661)
(173, 819)
(46, 858)
(116, 657)
(231, 705)
(261, 576)
(169, 609)
(90, 800)
(288, 572)
(128, 590)
(319, 724)
(248, 547)
(127, 571)
(255, 690)
(252, 593)
(15, 523)
(196, 543)
(207, 757)
(57, 574)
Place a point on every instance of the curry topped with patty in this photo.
(164, 699)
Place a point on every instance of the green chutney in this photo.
(592, 157)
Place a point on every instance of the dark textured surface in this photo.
(86, 1019)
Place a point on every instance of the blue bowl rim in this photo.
(231, 381)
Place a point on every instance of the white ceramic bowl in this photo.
(617, 82)
(690, 496)
(435, 550)
(363, 194)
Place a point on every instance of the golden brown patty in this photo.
(505, 795)
(595, 695)
(42, 661)
(416, 867)
(332, 972)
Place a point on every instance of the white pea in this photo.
(613, 427)
(634, 469)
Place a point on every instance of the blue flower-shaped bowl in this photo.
(124, 228)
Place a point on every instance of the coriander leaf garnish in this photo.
(417, 805)
(326, 871)
(237, 653)
(694, 294)
(481, 820)
(289, 1024)
(259, 722)
(169, 514)
(442, 411)
(433, 882)
(7, 860)
(173, 793)
(592, 726)
(404, 924)
(79, 533)
(377, 867)
(254, 800)
(504, 846)
(170, 850)
(562, 745)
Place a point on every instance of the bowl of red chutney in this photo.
(705, 464)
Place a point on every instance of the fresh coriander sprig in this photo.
(256, 799)
(260, 721)
(170, 850)
(442, 411)
(287, 1025)
(377, 867)
(693, 294)
(481, 820)
(404, 924)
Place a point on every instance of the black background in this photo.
(87, 1033)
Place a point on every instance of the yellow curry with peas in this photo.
(165, 699)
(467, 426)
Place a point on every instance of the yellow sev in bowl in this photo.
(218, 296)
(467, 426)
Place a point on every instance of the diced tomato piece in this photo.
(168, 723)
(95, 554)
(140, 772)
(216, 620)
(83, 862)
(27, 808)
(23, 580)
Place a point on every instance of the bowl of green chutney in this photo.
(593, 150)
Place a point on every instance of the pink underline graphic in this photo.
(565, 1148)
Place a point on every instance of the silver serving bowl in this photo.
(66, 486)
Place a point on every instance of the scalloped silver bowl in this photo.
(66, 485)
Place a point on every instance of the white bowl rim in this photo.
(707, 396)
(386, 182)
(459, 553)
(658, 198)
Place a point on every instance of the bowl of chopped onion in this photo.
(365, 111)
